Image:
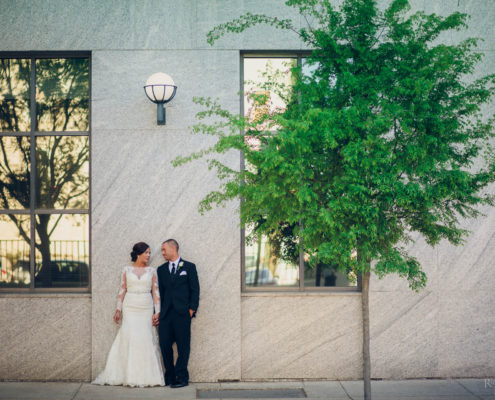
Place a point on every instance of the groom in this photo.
(179, 297)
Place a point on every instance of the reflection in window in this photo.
(328, 275)
(267, 83)
(14, 172)
(62, 253)
(62, 166)
(265, 266)
(52, 185)
(14, 251)
(62, 94)
(14, 95)
(274, 261)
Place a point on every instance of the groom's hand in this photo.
(191, 312)
(155, 319)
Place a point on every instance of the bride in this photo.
(134, 358)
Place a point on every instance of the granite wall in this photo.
(45, 337)
(139, 195)
(443, 331)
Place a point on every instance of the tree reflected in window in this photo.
(328, 275)
(62, 94)
(269, 262)
(52, 185)
(14, 95)
(62, 172)
(15, 176)
(62, 251)
(275, 258)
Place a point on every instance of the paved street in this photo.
(452, 389)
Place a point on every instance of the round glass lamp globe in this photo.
(160, 87)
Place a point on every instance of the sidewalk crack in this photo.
(77, 391)
(345, 391)
(469, 391)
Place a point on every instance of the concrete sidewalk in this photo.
(452, 389)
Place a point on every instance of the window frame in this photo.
(32, 134)
(301, 288)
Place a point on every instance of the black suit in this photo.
(178, 294)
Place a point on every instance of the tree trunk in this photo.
(318, 274)
(366, 335)
(45, 274)
(258, 260)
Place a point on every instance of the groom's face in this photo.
(168, 252)
(164, 251)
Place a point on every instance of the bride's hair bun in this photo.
(138, 249)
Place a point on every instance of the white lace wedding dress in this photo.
(134, 358)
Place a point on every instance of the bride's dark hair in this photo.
(138, 249)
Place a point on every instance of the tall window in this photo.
(44, 171)
(272, 263)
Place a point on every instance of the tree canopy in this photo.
(378, 140)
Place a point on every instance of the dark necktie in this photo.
(173, 268)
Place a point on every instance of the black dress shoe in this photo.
(179, 384)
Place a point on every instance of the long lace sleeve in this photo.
(122, 290)
(155, 291)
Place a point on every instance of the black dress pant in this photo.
(175, 327)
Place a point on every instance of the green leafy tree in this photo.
(384, 138)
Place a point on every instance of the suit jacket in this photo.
(179, 291)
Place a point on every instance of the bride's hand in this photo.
(116, 316)
(155, 318)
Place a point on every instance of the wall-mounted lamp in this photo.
(160, 89)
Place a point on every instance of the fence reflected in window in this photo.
(62, 251)
(50, 120)
(14, 251)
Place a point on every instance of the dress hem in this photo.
(116, 383)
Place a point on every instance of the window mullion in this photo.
(32, 183)
(301, 270)
(301, 252)
(242, 167)
(61, 133)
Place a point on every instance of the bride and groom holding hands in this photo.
(167, 297)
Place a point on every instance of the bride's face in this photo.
(145, 257)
